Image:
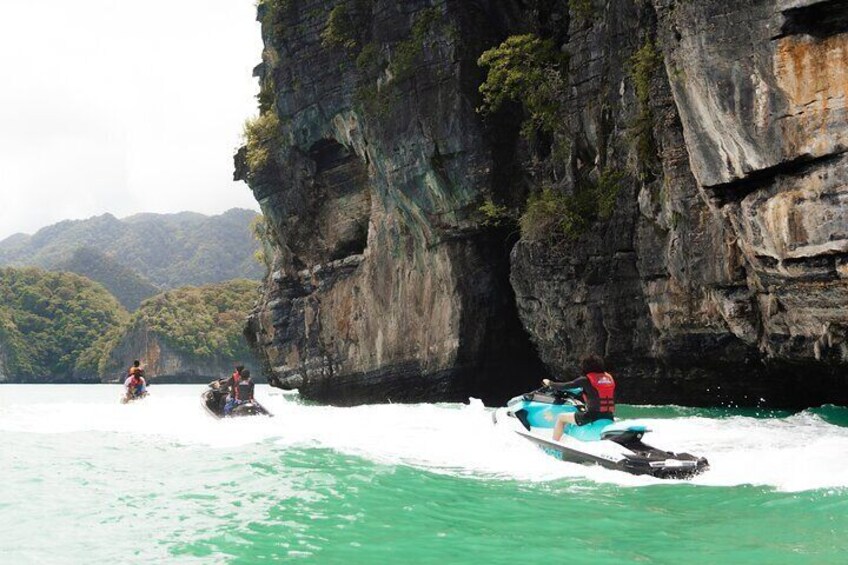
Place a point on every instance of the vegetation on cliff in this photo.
(201, 321)
(551, 215)
(530, 71)
(643, 66)
(260, 135)
(527, 70)
(48, 321)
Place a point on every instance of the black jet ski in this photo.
(214, 398)
(611, 444)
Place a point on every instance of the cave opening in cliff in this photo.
(342, 197)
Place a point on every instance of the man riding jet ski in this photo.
(135, 387)
(584, 411)
(233, 396)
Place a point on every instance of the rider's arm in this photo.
(579, 382)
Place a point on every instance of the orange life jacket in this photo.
(604, 384)
(234, 390)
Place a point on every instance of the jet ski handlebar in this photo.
(558, 396)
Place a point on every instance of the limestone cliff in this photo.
(192, 334)
(719, 274)
(164, 363)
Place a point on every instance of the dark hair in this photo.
(245, 374)
(136, 363)
(239, 368)
(592, 364)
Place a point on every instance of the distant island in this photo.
(141, 255)
(171, 290)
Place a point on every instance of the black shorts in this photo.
(583, 418)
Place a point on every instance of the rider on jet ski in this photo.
(598, 391)
(241, 390)
(135, 385)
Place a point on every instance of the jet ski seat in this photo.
(588, 432)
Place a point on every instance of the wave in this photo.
(804, 451)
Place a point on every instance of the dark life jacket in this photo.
(242, 389)
(602, 396)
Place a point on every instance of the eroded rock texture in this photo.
(730, 286)
(721, 276)
(163, 363)
(386, 285)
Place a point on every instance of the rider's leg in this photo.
(562, 420)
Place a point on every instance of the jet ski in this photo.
(127, 399)
(214, 398)
(611, 444)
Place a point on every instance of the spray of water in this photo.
(800, 452)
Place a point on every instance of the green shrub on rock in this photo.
(552, 215)
(527, 70)
(260, 135)
(643, 66)
(340, 29)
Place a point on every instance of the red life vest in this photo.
(605, 385)
(136, 381)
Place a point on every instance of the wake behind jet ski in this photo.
(233, 397)
(614, 445)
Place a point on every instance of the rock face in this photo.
(163, 363)
(721, 278)
(721, 275)
(386, 286)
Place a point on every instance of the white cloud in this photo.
(122, 106)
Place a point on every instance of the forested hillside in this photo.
(169, 250)
(192, 333)
(62, 327)
(47, 323)
(129, 287)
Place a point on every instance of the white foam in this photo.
(797, 453)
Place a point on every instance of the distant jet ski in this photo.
(614, 445)
(133, 398)
(214, 398)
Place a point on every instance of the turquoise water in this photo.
(87, 480)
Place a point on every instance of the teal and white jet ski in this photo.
(611, 444)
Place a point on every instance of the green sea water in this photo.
(88, 480)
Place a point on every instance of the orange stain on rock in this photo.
(810, 70)
(813, 74)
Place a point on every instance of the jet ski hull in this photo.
(616, 446)
(212, 401)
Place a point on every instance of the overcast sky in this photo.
(122, 106)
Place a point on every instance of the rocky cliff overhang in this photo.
(721, 275)
(386, 284)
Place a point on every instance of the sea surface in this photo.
(84, 479)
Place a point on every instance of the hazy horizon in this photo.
(122, 108)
